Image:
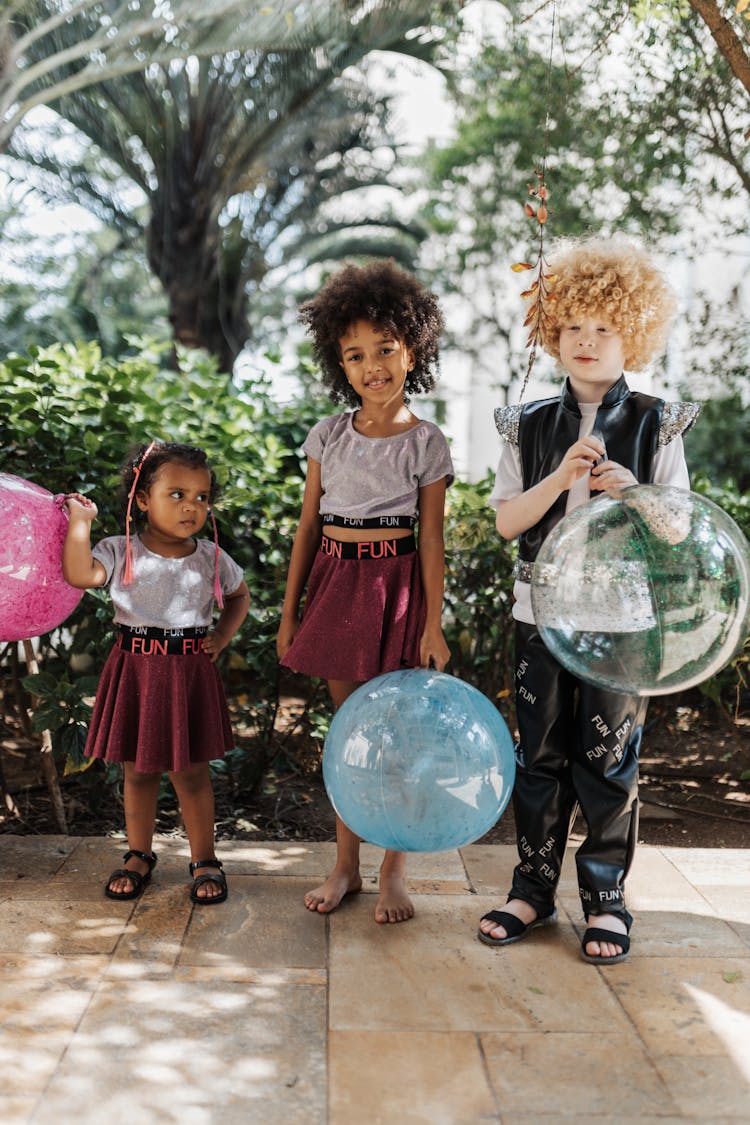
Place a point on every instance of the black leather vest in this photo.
(627, 421)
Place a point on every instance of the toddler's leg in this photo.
(140, 794)
(196, 796)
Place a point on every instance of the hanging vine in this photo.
(539, 293)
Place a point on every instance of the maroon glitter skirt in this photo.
(363, 616)
(162, 712)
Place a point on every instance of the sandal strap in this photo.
(124, 873)
(206, 863)
(512, 925)
(199, 880)
(149, 859)
(593, 933)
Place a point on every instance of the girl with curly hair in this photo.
(160, 703)
(374, 594)
(578, 744)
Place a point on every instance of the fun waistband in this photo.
(368, 548)
(145, 641)
(369, 524)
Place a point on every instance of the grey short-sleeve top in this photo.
(364, 477)
(165, 593)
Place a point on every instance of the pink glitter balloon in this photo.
(34, 596)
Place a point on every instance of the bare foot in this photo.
(328, 895)
(524, 911)
(394, 904)
(605, 948)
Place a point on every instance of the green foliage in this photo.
(478, 592)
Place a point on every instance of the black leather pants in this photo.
(578, 746)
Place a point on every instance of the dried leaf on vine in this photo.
(519, 267)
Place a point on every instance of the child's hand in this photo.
(285, 636)
(611, 477)
(433, 651)
(80, 507)
(580, 459)
(213, 643)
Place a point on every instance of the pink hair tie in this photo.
(217, 584)
(127, 577)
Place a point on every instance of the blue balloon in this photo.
(418, 761)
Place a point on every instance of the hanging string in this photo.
(127, 577)
(539, 292)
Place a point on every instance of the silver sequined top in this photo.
(165, 593)
(366, 477)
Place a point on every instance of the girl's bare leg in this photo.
(196, 796)
(140, 793)
(345, 878)
(394, 904)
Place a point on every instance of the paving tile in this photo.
(707, 1089)
(490, 867)
(263, 923)
(42, 1000)
(35, 926)
(16, 1111)
(176, 1051)
(711, 866)
(684, 1006)
(432, 973)
(33, 858)
(655, 883)
(571, 1075)
(156, 931)
(432, 1077)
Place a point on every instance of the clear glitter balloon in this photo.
(34, 596)
(645, 593)
(418, 761)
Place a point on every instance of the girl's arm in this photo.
(433, 650)
(523, 511)
(306, 544)
(233, 614)
(79, 567)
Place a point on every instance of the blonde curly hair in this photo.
(616, 280)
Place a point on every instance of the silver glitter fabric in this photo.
(677, 418)
(506, 420)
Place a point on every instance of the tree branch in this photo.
(727, 39)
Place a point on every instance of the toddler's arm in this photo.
(523, 511)
(233, 614)
(79, 567)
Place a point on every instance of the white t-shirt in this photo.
(165, 593)
(669, 467)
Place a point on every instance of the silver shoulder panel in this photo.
(677, 418)
(506, 420)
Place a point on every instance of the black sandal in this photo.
(593, 933)
(514, 928)
(139, 881)
(199, 880)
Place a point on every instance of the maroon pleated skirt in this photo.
(163, 712)
(362, 617)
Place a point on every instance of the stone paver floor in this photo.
(258, 1011)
